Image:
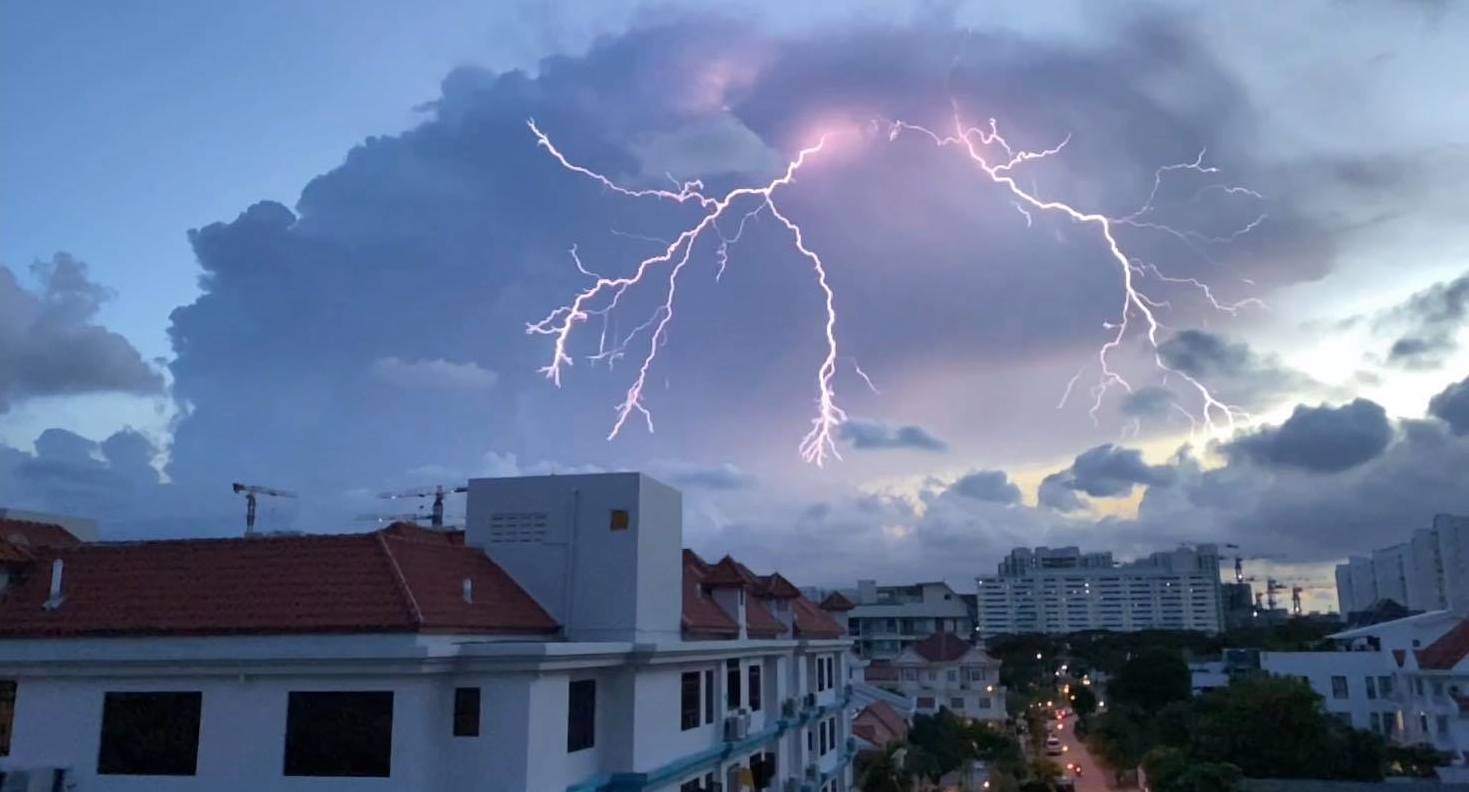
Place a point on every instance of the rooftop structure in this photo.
(887, 619)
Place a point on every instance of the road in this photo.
(1093, 777)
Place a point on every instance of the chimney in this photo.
(54, 600)
(468, 590)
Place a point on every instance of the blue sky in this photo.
(365, 330)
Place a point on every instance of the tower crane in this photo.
(1295, 600)
(250, 491)
(437, 492)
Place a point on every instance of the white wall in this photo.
(1318, 668)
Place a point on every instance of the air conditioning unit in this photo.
(736, 726)
(813, 771)
(788, 708)
(810, 700)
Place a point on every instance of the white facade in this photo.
(888, 619)
(1357, 687)
(968, 686)
(614, 584)
(1068, 591)
(1428, 572)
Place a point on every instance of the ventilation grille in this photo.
(509, 527)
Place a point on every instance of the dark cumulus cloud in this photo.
(1432, 318)
(1319, 439)
(1151, 401)
(1236, 372)
(1106, 471)
(867, 435)
(51, 343)
(377, 325)
(725, 476)
(987, 485)
(1452, 406)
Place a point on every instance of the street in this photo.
(1093, 777)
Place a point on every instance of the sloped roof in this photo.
(700, 613)
(1447, 651)
(836, 602)
(399, 579)
(759, 622)
(33, 534)
(813, 622)
(942, 647)
(729, 573)
(775, 586)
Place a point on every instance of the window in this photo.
(956, 703)
(732, 684)
(620, 520)
(952, 675)
(1441, 722)
(910, 675)
(821, 738)
(708, 697)
(755, 688)
(985, 702)
(7, 714)
(1376, 722)
(1418, 686)
(466, 712)
(150, 734)
(339, 733)
(581, 715)
(1339, 687)
(932, 676)
(811, 741)
(1371, 687)
(1384, 686)
(925, 702)
(831, 672)
(1423, 723)
(1437, 688)
(688, 710)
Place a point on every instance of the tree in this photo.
(1171, 770)
(1083, 701)
(941, 736)
(1152, 679)
(881, 773)
(1419, 761)
(1120, 737)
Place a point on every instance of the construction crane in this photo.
(1239, 570)
(437, 492)
(1271, 586)
(1295, 600)
(250, 491)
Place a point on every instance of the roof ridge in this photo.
(254, 539)
(402, 581)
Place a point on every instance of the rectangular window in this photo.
(1423, 723)
(150, 734)
(1371, 687)
(956, 703)
(466, 712)
(581, 715)
(732, 684)
(910, 675)
(811, 741)
(1339, 687)
(346, 733)
(688, 710)
(831, 672)
(1376, 722)
(1442, 723)
(985, 702)
(951, 675)
(1437, 688)
(755, 688)
(925, 702)
(708, 697)
(1384, 686)
(7, 714)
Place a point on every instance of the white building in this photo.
(1406, 679)
(885, 620)
(945, 671)
(565, 641)
(1428, 572)
(1050, 590)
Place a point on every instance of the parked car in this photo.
(1054, 747)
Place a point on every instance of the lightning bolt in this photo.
(993, 157)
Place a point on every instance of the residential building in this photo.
(945, 671)
(1057, 590)
(1407, 680)
(878, 725)
(888, 619)
(563, 641)
(1428, 572)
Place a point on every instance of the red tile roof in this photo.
(813, 622)
(836, 602)
(34, 534)
(880, 724)
(777, 587)
(1448, 650)
(729, 573)
(400, 579)
(701, 614)
(942, 647)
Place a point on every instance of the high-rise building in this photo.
(885, 620)
(1064, 590)
(1428, 572)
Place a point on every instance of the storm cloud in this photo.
(868, 435)
(1320, 439)
(1452, 406)
(51, 343)
(987, 485)
(1429, 323)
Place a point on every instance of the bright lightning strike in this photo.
(993, 157)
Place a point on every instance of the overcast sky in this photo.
(299, 245)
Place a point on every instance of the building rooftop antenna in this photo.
(250, 491)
